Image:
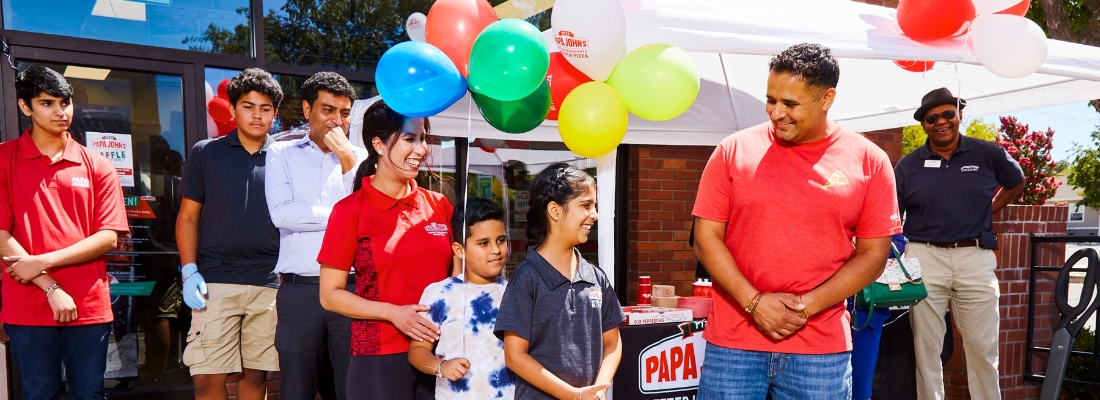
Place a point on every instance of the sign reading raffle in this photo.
(119, 149)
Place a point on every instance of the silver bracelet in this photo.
(51, 289)
(439, 368)
(188, 276)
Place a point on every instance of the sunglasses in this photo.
(934, 118)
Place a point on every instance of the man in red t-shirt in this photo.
(777, 208)
(61, 210)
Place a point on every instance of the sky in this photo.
(1071, 123)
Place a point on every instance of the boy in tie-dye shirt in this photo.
(468, 360)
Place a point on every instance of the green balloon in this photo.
(517, 116)
(509, 60)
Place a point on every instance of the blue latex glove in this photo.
(194, 287)
(899, 242)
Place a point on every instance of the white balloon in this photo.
(209, 93)
(211, 127)
(415, 26)
(590, 34)
(1009, 46)
(983, 7)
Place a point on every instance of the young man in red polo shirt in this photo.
(61, 210)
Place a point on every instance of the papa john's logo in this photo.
(80, 181)
(436, 229)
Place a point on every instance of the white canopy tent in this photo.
(732, 40)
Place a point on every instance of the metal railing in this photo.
(1031, 349)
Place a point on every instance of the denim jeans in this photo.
(40, 351)
(738, 374)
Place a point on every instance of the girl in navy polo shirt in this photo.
(559, 316)
(397, 237)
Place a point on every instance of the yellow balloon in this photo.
(657, 81)
(592, 119)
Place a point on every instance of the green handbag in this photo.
(894, 294)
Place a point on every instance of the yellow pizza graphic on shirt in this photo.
(836, 179)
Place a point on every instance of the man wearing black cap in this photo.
(949, 190)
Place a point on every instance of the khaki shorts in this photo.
(235, 330)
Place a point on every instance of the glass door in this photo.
(136, 119)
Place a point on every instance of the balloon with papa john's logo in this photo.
(591, 34)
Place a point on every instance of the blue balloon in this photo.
(417, 80)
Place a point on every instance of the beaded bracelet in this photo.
(753, 303)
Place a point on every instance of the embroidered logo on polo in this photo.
(836, 179)
(596, 298)
(436, 229)
(80, 181)
(970, 168)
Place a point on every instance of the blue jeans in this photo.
(738, 374)
(40, 351)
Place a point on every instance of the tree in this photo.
(913, 136)
(1076, 21)
(1032, 150)
(1084, 171)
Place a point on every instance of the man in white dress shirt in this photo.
(304, 179)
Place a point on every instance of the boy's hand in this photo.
(594, 392)
(408, 322)
(455, 368)
(64, 309)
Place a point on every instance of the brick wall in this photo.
(1015, 224)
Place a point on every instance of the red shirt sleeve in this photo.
(713, 199)
(879, 216)
(342, 236)
(109, 210)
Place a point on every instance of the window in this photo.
(223, 26)
(289, 123)
(1077, 216)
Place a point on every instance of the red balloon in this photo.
(453, 25)
(226, 127)
(563, 78)
(223, 89)
(915, 66)
(1018, 9)
(218, 108)
(929, 20)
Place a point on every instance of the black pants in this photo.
(388, 377)
(303, 333)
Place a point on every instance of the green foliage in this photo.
(978, 129)
(1084, 171)
(1076, 13)
(1080, 368)
(912, 137)
(1032, 151)
(332, 34)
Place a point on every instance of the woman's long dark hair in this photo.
(382, 122)
(559, 183)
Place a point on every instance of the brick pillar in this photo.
(663, 181)
(889, 140)
(1015, 224)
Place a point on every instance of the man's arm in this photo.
(862, 269)
(773, 314)
(285, 213)
(1005, 197)
(26, 268)
(63, 306)
(187, 230)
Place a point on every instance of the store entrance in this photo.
(135, 117)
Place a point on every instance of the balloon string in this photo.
(465, 197)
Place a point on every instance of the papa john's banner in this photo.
(118, 148)
(669, 361)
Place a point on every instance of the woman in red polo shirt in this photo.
(397, 237)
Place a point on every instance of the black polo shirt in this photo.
(952, 200)
(564, 320)
(238, 243)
